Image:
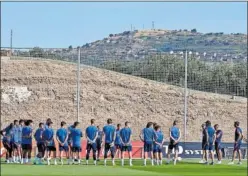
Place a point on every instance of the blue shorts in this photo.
(148, 147)
(203, 144)
(237, 146)
(26, 146)
(128, 148)
(76, 149)
(51, 148)
(41, 147)
(7, 145)
(63, 148)
(118, 146)
(98, 145)
(91, 146)
(108, 147)
(157, 148)
(209, 147)
(217, 146)
(172, 145)
(16, 145)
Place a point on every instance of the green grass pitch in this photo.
(184, 168)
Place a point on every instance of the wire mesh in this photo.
(151, 88)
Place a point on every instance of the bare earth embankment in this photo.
(41, 89)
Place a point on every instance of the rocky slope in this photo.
(41, 89)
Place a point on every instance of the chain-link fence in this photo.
(223, 74)
(51, 87)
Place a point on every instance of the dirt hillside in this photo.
(41, 89)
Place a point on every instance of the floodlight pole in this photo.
(185, 95)
(78, 84)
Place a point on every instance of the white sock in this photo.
(152, 162)
(20, 158)
(26, 160)
(79, 161)
(122, 162)
(87, 162)
(145, 162)
(105, 162)
(130, 161)
(158, 162)
(161, 162)
(14, 158)
(113, 161)
(175, 161)
(94, 162)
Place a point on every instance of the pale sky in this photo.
(60, 24)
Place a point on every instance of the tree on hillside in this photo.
(224, 78)
(193, 30)
(36, 52)
(70, 48)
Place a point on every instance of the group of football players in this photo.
(17, 140)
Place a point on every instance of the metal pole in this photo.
(78, 84)
(185, 96)
(11, 36)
